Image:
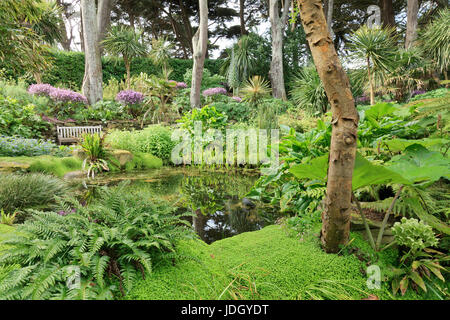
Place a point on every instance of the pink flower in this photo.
(129, 97)
(64, 95)
(42, 89)
(237, 99)
(214, 91)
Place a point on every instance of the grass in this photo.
(47, 164)
(265, 264)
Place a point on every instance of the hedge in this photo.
(68, 68)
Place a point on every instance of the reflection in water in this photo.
(216, 199)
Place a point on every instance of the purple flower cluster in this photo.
(417, 92)
(65, 213)
(17, 146)
(237, 99)
(214, 91)
(362, 99)
(181, 85)
(40, 89)
(64, 95)
(57, 94)
(129, 97)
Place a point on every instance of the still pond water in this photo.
(216, 198)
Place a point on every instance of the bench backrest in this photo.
(76, 132)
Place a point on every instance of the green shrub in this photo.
(53, 165)
(208, 116)
(154, 139)
(18, 191)
(20, 119)
(68, 68)
(209, 79)
(111, 242)
(102, 110)
(143, 161)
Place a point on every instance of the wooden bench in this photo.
(72, 134)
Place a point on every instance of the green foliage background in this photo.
(68, 68)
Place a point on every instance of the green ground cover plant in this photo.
(266, 264)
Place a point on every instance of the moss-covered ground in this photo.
(265, 264)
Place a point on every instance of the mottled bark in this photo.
(411, 25)
(337, 204)
(93, 78)
(199, 44)
(277, 24)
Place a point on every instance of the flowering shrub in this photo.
(181, 85)
(362, 100)
(57, 94)
(16, 146)
(64, 95)
(214, 91)
(40, 89)
(129, 97)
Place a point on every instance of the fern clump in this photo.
(90, 252)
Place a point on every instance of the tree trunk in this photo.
(337, 204)
(411, 25)
(93, 78)
(65, 41)
(103, 19)
(199, 44)
(276, 66)
(330, 9)
(372, 90)
(387, 13)
(241, 16)
(127, 63)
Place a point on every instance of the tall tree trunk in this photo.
(65, 41)
(81, 31)
(276, 66)
(330, 9)
(372, 90)
(411, 25)
(103, 19)
(93, 78)
(336, 214)
(242, 17)
(199, 44)
(387, 13)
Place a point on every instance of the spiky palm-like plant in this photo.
(308, 91)
(160, 53)
(436, 41)
(377, 47)
(240, 63)
(125, 41)
(255, 89)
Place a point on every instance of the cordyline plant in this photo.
(96, 154)
(125, 41)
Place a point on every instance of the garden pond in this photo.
(216, 198)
